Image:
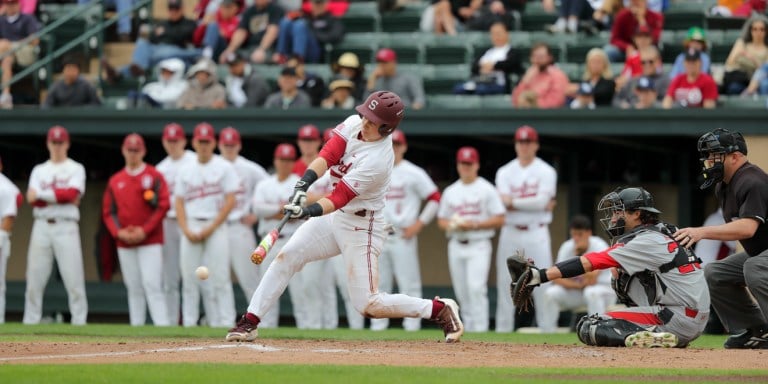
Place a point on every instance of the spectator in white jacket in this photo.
(166, 91)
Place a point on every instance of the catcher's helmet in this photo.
(621, 200)
(713, 146)
(384, 108)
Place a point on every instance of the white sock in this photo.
(573, 25)
(559, 24)
(207, 52)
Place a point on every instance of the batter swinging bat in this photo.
(260, 253)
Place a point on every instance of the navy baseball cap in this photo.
(645, 83)
(692, 55)
(586, 89)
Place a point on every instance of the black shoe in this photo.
(748, 339)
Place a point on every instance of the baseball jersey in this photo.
(268, 200)
(299, 167)
(477, 201)
(203, 186)
(249, 174)
(596, 244)
(408, 187)
(746, 196)
(364, 168)
(56, 184)
(124, 203)
(169, 168)
(323, 186)
(692, 94)
(10, 197)
(647, 249)
(531, 189)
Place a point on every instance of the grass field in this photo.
(15, 335)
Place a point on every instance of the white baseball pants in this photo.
(469, 265)
(171, 268)
(59, 240)
(399, 261)
(354, 319)
(5, 253)
(142, 269)
(242, 242)
(556, 298)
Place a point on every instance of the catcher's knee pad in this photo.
(605, 332)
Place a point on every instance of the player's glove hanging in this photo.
(525, 277)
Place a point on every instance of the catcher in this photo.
(661, 282)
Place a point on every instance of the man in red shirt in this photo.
(309, 143)
(627, 21)
(134, 205)
(692, 89)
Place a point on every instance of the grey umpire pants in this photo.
(728, 280)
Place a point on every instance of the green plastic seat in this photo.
(454, 101)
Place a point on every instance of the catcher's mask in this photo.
(713, 147)
(614, 206)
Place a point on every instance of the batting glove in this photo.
(299, 197)
(296, 211)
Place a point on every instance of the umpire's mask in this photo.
(713, 147)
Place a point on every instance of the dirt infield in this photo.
(389, 353)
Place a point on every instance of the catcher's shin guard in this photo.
(605, 332)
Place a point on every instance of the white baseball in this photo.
(201, 272)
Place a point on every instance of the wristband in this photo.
(571, 267)
(310, 176)
(315, 209)
(543, 276)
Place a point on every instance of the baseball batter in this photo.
(241, 237)
(205, 195)
(470, 211)
(527, 186)
(10, 201)
(55, 188)
(661, 282)
(174, 143)
(399, 259)
(268, 200)
(348, 222)
(592, 289)
(133, 207)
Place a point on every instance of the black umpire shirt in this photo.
(746, 196)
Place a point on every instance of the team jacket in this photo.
(126, 203)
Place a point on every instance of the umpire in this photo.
(742, 192)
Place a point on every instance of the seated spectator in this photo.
(215, 34)
(166, 91)
(652, 69)
(696, 39)
(571, 11)
(308, 82)
(646, 96)
(305, 36)
(605, 12)
(204, 90)
(692, 89)
(168, 39)
(341, 91)
(491, 71)
(449, 16)
(15, 27)
(626, 24)
(27, 7)
(72, 90)
(245, 88)
(632, 65)
(258, 28)
(543, 85)
(289, 96)
(598, 75)
(747, 55)
(585, 97)
(386, 77)
(737, 8)
(124, 22)
(349, 67)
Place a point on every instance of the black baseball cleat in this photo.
(245, 330)
(448, 319)
(749, 339)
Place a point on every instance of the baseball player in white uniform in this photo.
(242, 239)
(592, 289)
(55, 188)
(271, 195)
(709, 250)
(399, 259)
(10, 201)
(527, 186)
(349, 222)
(174, 142)
(205, 195)
(470, 211)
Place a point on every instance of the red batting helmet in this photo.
(385, 108)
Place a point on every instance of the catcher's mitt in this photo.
(521, 271)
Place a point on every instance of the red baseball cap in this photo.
(285, 151)
(309, 132)
(398, 137)
(386, 55)
(467, 155)
(328, 134)
(229, 136)
(526, 133)
(173, 131)
(204, 131)
(57, 133)
(134, 141)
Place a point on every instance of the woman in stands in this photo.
(598, 73)
(747, 55)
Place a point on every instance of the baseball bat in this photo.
(260, 253)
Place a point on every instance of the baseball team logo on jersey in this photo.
(203, 190)
(467, 208)
(525, 190)
(147, 181)
(55, 183)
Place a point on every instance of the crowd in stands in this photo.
(254, 54)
